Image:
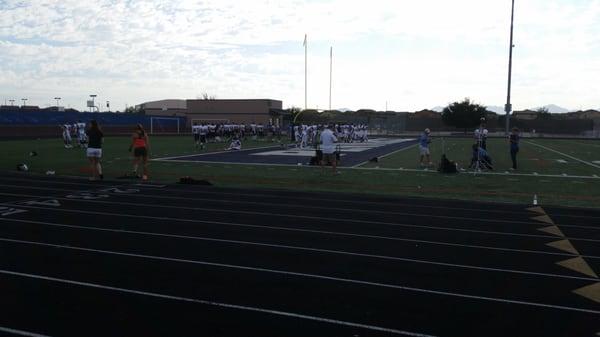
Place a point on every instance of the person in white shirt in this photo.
(204, 130)
(66, 134)
(236, 144)
(481, 135)
(196, 133)
(81, 136)
(328, 141)
(304, 137)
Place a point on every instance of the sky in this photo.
(411, 54)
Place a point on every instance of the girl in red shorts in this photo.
(141, 147)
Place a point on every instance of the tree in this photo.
(463, 115)
(543, 113)
(294, 113)
(368, 113)
(131, 110)
(205, 96)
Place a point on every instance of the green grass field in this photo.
(535, 156)
(551, 171)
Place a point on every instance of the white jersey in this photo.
(236, 144)
(481, 134)
(196, 129)
(203, 130)
(81, 128)
(328, 141)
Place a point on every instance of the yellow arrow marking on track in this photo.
(591, 292)
(537, 210)
(554, 230)
(564, 245)
(543, 218)
(578, 264)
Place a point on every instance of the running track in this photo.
(121, 259)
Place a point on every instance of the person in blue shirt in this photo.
(424, 142)
(481, 156)
(514, 147)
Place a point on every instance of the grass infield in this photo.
(559, 172)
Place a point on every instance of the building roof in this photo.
(170, 104)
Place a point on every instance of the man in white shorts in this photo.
(424, 141)
(94, 151)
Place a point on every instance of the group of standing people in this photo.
(211, 133)
(480, 156)
(308, 135)
(140, 145)
(72, 130)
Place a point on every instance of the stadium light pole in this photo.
(24, 100)
(57, 101)
(12, 101)
(108, 105)
(305, 71)
(330, 74)
(508, 106)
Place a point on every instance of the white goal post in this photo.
(155, 123)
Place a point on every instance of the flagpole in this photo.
(330, 73)
(305, 72)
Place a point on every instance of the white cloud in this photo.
(413, 54)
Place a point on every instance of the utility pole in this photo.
(508, 106)
(330, 74)
(305, 71)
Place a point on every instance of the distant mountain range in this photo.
(552, 108)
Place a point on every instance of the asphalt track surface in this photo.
(349, 159)
(123, 259)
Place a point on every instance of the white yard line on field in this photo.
(564, 154)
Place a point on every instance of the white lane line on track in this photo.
(215, 304)
(304, 207)
(21, 332)
(563, 154)
(335, 252)
(450, 229)
(144, 196)
(224, 193)
(342, 234)
(311, 276)
(395, 204)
